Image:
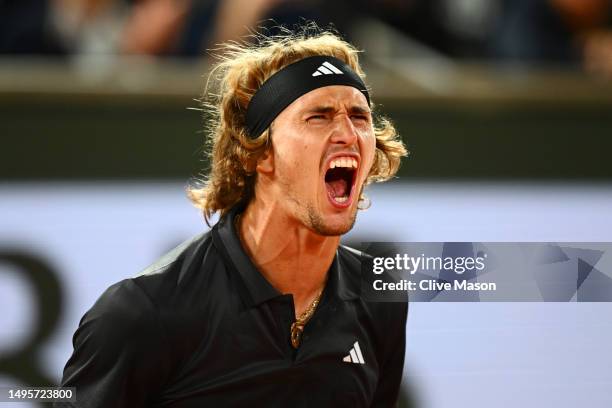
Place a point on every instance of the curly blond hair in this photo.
(240, 72)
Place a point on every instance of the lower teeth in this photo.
(341, 199)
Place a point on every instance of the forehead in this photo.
(335, 96)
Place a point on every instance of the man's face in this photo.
(323, 149)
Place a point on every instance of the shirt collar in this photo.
(343, 275)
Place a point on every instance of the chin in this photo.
(335, 225)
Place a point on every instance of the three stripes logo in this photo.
(327, 69)
(354, 355)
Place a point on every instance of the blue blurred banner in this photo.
(487, 272)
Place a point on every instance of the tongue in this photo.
(337, 187)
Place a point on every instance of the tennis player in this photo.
(264, 309)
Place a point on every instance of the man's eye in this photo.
(360, 117)
(316, 117)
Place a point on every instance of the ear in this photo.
(265, 164)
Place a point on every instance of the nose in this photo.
(344, 132)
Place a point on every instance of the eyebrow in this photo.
(329, 109)
(360, 109)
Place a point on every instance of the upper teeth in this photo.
(343, 162)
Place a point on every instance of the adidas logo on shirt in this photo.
(354, 355)
(327, 69)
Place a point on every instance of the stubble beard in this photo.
(314, 221)
(317, 224)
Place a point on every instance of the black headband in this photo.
(293, 81)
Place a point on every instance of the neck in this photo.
(291, 257)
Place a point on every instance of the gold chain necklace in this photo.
(297, 327)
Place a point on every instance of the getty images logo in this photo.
(327, 69)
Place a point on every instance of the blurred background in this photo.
(505, 105)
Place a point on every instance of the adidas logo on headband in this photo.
(327, 69)
(291, 82)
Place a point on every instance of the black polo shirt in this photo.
(203, 328)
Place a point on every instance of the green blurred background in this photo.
(543, 127)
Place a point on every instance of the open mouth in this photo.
(339, 179)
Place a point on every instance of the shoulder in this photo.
(176, 257)
(355, 268)
(351, 252)
(177, 271)
(137, 307)
(353, 263)
(183, 286)
(123, 314)
(351, 259)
